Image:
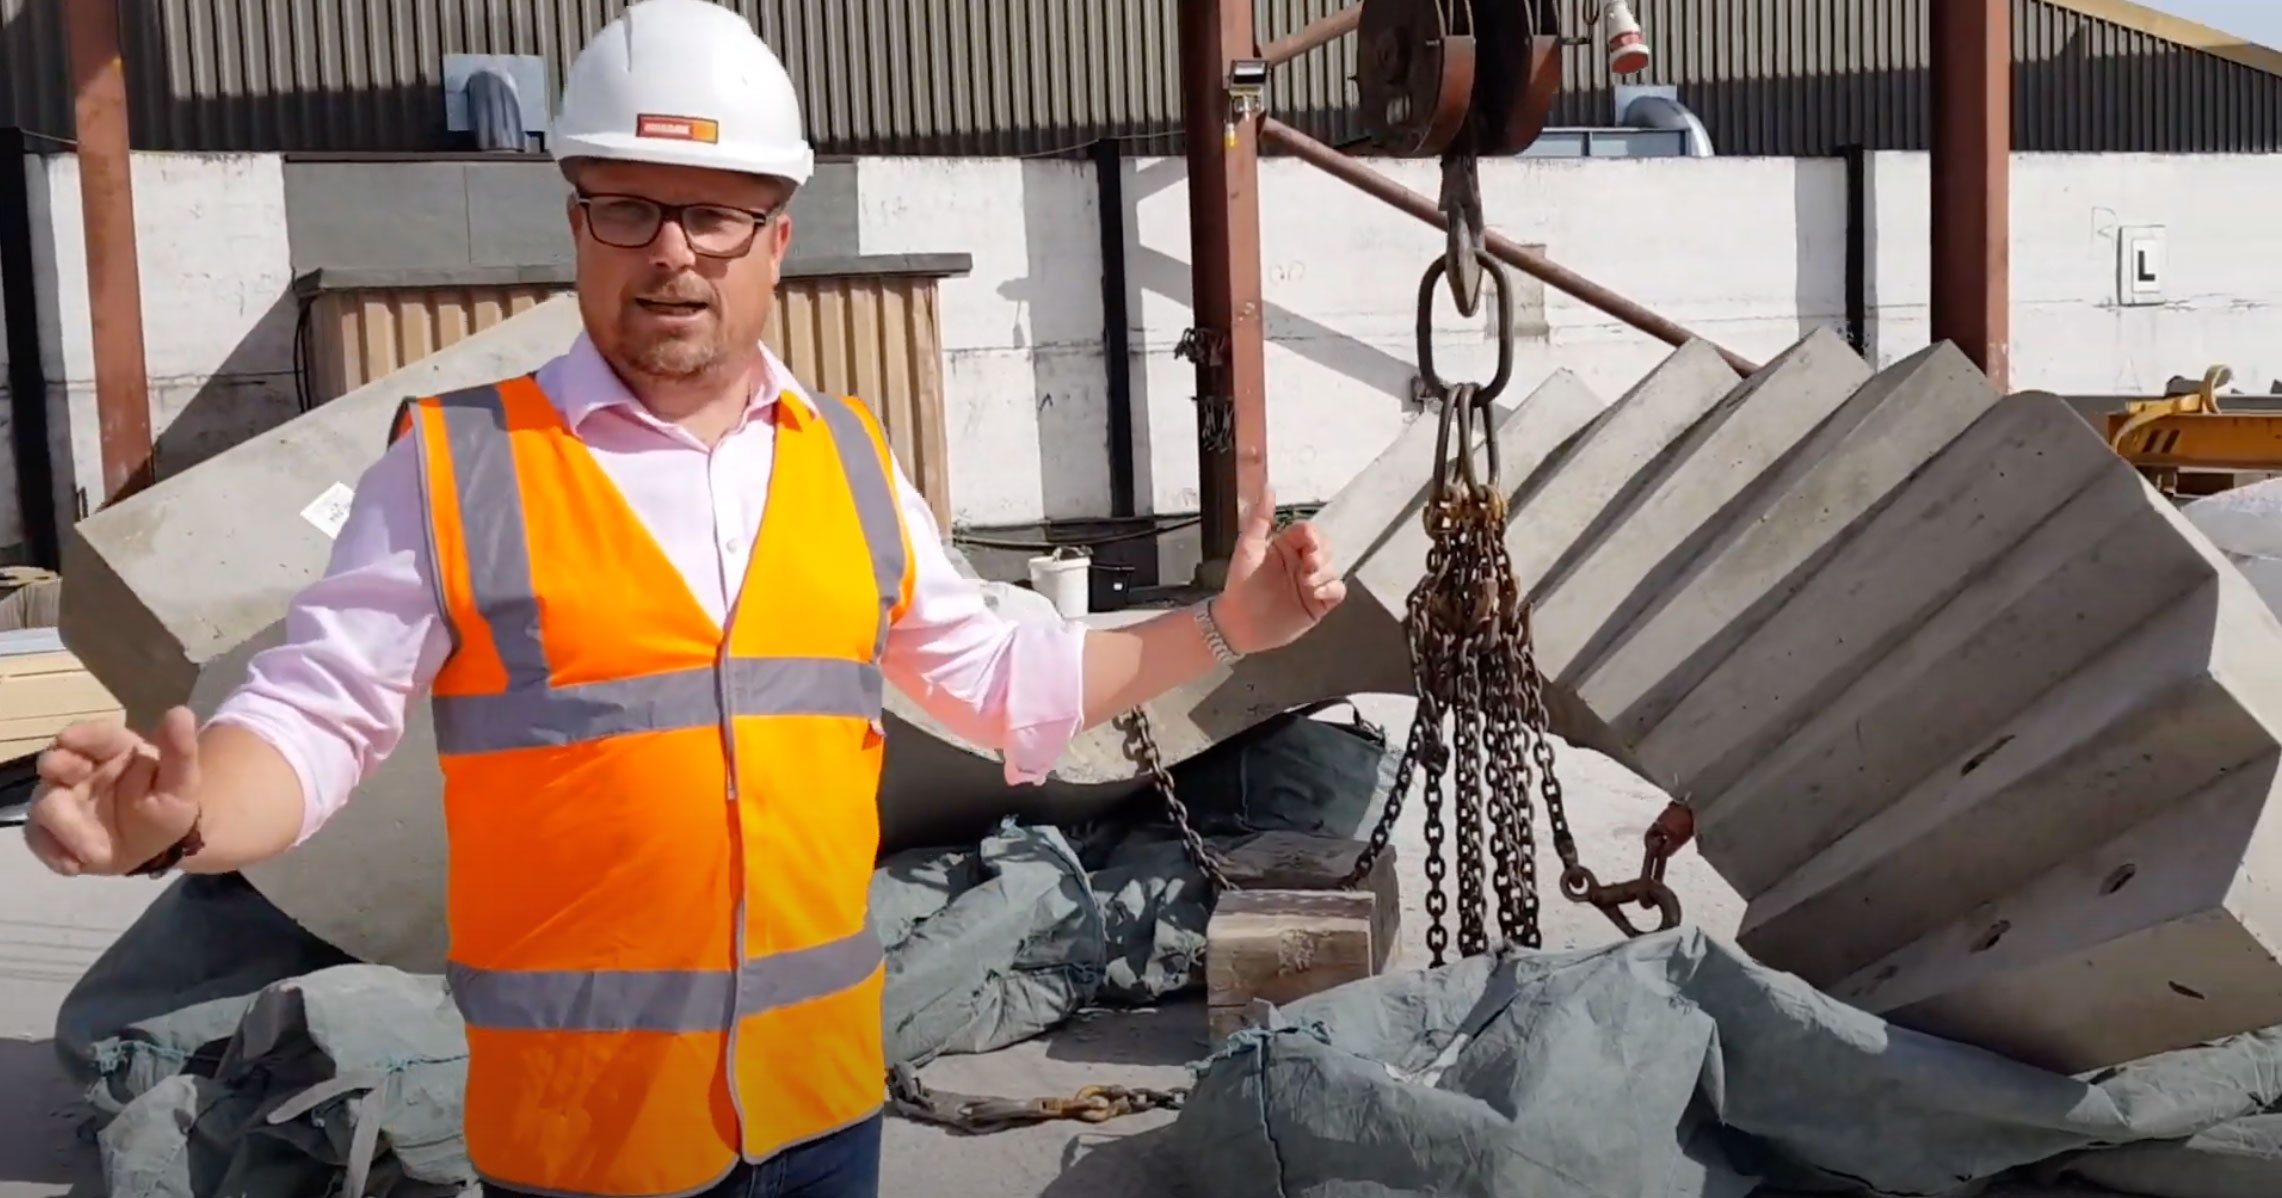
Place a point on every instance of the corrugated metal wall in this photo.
(877, 76)
(876, 336)
(1039, 76)
(1809, 76)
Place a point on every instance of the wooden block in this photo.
(1301, 861)
(1290, 929)
(1281, 945)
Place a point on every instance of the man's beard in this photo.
(667, 356)
(674, 355)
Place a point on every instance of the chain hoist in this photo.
(1461, 79)
(1439, 77)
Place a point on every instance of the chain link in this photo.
(979, 1115)
(1141, 746)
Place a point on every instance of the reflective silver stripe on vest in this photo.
(565, 715)
(876, 507)
(491, 523)
(532, 713)
(657, 1000)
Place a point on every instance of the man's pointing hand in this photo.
(109, 801)
(1280, 584)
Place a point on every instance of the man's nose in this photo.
(671, 246)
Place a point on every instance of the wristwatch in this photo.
(158, 866)
(1211, 629)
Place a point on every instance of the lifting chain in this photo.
(1481, 722)
(979, 1115)
(1141, 746)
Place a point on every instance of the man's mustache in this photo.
(682, 289)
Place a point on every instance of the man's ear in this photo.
(781, 229)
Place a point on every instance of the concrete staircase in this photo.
(1982, 728)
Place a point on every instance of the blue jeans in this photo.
(845, 1164)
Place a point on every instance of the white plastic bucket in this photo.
(1062, 578)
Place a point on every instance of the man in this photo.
(654, 590)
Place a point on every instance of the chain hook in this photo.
(1462, 255)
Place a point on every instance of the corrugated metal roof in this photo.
(1041, 76)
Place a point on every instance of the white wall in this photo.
(218, 312)
(1023, 334)
(2222, 278)
(1747, 252)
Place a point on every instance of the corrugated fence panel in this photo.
(1047, 76)
(875, 336)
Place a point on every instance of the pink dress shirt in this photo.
(365, 640)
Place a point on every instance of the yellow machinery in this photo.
(2187, 445)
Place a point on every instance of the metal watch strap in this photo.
(1211, 628)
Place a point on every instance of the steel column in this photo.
(107, 206)
(1971, 49)
(1224, 237)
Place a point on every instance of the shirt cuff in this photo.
(1046, 701)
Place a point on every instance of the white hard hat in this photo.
(685, 83)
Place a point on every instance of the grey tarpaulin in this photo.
(349, 1076)
(1673, 1067)
(227, 1052)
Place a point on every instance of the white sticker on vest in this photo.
(330, 510)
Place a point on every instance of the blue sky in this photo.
(2257, 20)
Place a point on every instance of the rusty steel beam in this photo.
(1321, 32)
(114, 284)
(1972, 166)
(1228, 342)
(1360, 176)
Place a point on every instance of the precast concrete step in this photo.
(2160, 935)
(1986, 730)
(1847, 471)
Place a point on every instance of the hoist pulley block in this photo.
(1457, 76)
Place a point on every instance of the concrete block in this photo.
(2246, 523)
(1848, 470)
(1707, 480)
(1279, 946)
(1290, 929)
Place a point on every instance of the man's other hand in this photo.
(1280, 584)
(109, 801)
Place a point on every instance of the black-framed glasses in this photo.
(714, 230)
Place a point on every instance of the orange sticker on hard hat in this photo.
(677, 128)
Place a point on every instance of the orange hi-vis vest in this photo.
(662, 832)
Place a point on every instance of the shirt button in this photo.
(732, 546)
